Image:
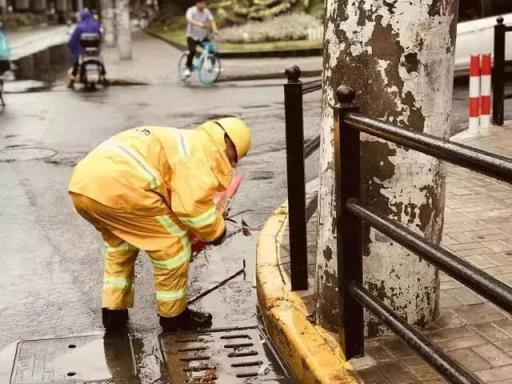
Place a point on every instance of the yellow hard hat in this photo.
(238, 132)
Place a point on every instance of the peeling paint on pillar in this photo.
(398, 56)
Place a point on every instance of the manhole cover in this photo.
(222, 356)
(21, 154)
(78, 359)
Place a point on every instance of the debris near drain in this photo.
(264, 370)
(242, 227)
(249, 364)
(209, 376)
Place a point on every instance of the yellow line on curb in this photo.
(303, 345)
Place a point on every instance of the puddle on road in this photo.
(68, 359)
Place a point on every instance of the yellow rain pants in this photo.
(150, 189)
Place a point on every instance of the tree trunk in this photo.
(123, 27)
(398, 56)
(108, 21)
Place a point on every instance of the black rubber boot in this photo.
(188, 320)
(114, 320)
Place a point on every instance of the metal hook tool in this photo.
(219, 284)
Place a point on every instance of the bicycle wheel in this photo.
(209, 69)
(182, 64)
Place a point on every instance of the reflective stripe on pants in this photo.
(119, 273)
(161, 237)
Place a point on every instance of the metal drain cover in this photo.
(22, 154)
(223, 356)
(91, 359)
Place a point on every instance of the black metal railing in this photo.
(351, 212)
(296, 152)
(498, 72)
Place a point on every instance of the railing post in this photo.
(350, 262)
(498, 73)
(296, 179)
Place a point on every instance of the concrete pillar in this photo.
(108, 21)
(398, 56)
(123, 29)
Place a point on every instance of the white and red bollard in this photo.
(479, 92)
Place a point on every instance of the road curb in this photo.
(304, 346)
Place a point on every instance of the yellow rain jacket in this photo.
(149, 170)
(151, 188)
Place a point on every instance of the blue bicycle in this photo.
(206, 63)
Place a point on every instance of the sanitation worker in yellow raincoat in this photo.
(152, 188)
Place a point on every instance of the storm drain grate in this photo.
(237, 355)
(77, 359)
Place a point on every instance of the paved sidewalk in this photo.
(478, 227)
(155, 61)
(28, 42)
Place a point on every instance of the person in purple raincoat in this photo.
(86, 24)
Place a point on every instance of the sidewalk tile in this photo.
(467, 246)
(480, 261)
(419, 368)
(378, 353)
(397, 347)
(465, 296)
(435, 381)
(470, 359)
(495, 356)
(491, 332)
(451, 333)
(373, 376)
(397, 374)
(505, 326)
(461, 343)
(447, 301)
(479, 313)
(495, 374)
(505, 344)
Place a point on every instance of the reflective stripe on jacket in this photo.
(158, 170)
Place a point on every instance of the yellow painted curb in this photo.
(302, 344)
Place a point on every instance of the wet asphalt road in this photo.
(52, 259)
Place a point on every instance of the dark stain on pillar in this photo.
(390, 5)
(416, 119)
(435, 8)
(329, 306)
(328, 254)
(377, 167)
(411, 62)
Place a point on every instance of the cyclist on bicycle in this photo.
(199, 22)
